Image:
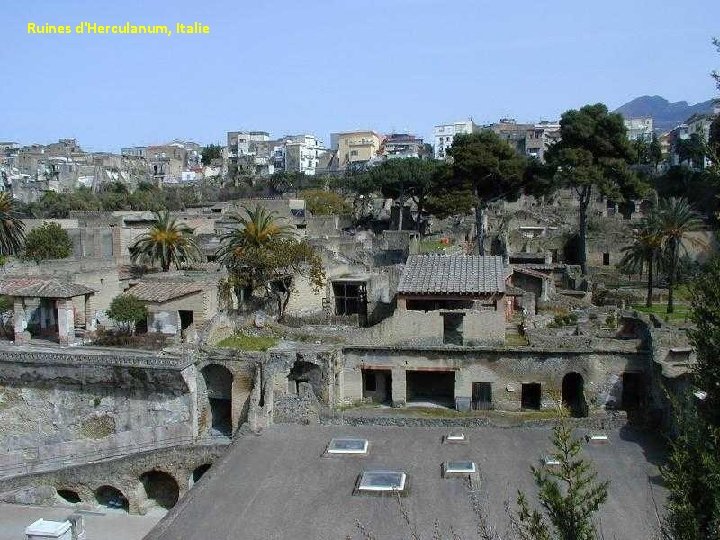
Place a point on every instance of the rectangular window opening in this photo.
(453, 328)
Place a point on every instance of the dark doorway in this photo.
(351, 299)
(482, 396)
(218, 385)
(453, 328)
(305, 372)
(531, 396)
(573, 395)
(633, 391)
(200, 471)
(69, 495)
(186, 320)
(111, 497)
(160, 488)
(606, 259)
(377, 385)
(435, 386)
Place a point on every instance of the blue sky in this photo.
(289, 66)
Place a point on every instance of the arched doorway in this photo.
(160, 488)
(573, 394)
(69, 495)
(111, 497)
(218, 389)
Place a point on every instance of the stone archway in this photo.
(69, 496)
(216, 415)
(573, 394)
(112, 497)
(160, 489)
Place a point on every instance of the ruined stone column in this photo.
(89, 313)
(21, 336)
(399, 387)
(66, 321)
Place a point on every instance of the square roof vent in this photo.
(380, 482)
(455, 438)
(347, 446)
(458, 468)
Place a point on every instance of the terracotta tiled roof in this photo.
(37, 287)
(453, 274)
(156, 291)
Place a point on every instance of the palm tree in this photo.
(645, 249)
(167, 242)
(255, 229)
(676, 219)
(12, 236)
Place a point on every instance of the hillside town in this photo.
(502, 330)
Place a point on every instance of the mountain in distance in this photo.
(665, 115)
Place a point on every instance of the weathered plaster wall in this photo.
(506, 370)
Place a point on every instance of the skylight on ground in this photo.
(347, 446)
(382, 481)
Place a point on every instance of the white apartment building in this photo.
(639, 128)
(445, 133)
(302, 153)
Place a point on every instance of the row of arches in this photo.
(157, 489)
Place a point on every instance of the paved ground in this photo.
(277, 485)
(111, 526)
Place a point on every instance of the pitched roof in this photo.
(37, 287)
(454, 274)
(156, 291)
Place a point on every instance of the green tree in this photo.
(12, 228)
(490, 169)
(655, 151)
(692, 151)
(210, 152)
(323, 203)
(127, 310)
(260, 252)
(646, 249)
(705, 336)
(692, 476)
(167, 242)
(716, 74)
(408, 179)
(569, 494)
(49, 241)
(676, 219)
(592, 159)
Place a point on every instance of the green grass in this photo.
(515, 340)
(681, 313)
(431, 246)
(249, 343)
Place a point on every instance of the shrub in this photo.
(127, 310)
(49, 241)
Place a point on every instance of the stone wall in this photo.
(60, 405)
(505, 370)
(410, 327)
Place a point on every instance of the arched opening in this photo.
(573, 395)
(111, 497)
(198, 473)
(305, 372)
(218, 387)
(160, 488)
(68, 495)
